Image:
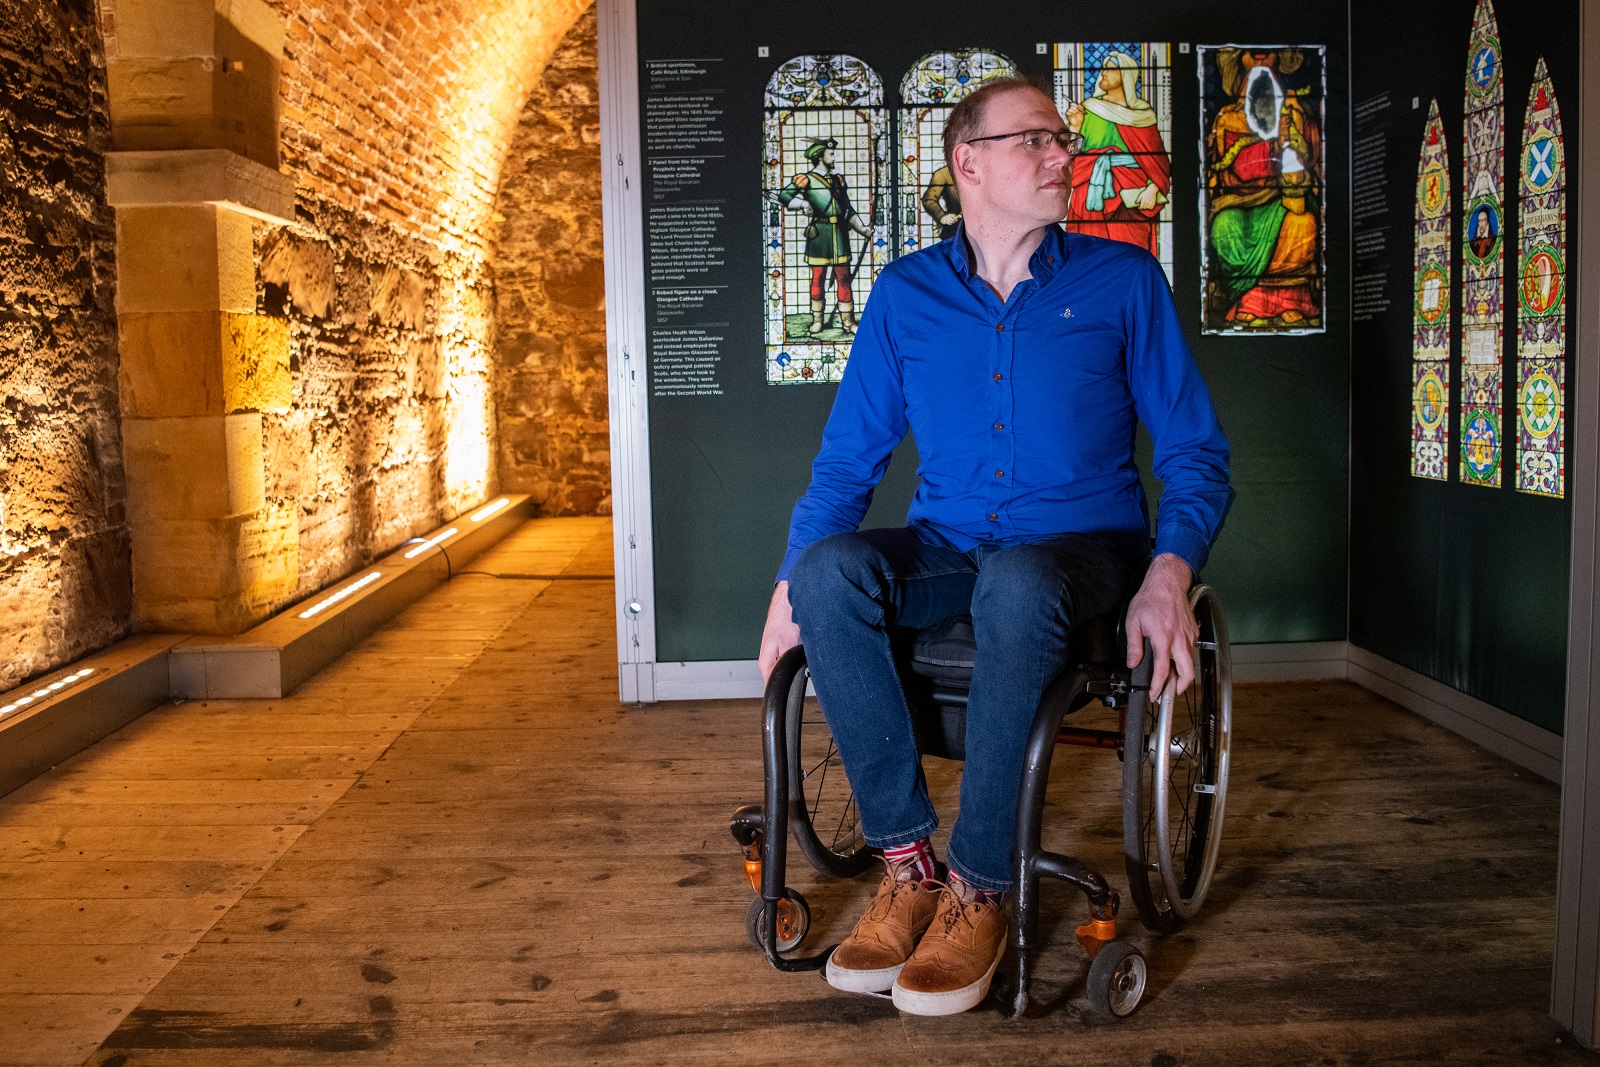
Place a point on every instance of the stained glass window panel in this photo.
(825, 211)
(1542, 295)
(1118, 97)
(1430, 307)
(1262, 237)
(1482, 256)
(930, 206)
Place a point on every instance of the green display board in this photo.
(1464, 583)
(733, 426)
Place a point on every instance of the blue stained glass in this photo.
(1094, 57)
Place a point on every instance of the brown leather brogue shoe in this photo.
(871, 957)
(953, 964)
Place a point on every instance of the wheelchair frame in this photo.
(779, 917)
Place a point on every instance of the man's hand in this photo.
(949, 219)
(780, 634)
(1160, 611)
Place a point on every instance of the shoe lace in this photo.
(959, 911)
(884, 901)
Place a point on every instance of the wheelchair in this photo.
(1174, 752)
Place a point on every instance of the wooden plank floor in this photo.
(517, 869)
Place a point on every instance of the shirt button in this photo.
(993, 517)
(999, 474)
(999, 425)
(1000, 328)
(997, 377)
(1049, 259)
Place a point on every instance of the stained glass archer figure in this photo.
(1118, 97)
(821, 194)
(1430, 308)
(1262, 226)
(930, 206)
(1542, 295)
(823, 185)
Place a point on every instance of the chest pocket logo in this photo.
(1066, 313)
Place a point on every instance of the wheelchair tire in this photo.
(794, 921)
(1175, 781)
(1117, 980)
(822, 806)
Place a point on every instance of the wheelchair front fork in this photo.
(762, 832)
(1033, 861)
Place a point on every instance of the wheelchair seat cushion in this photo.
(944, 653)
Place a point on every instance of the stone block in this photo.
(303, 268)
(163, 28)
(184, 259)
(186, 178)
(214, 576)
(256, 21)
(188, 363)
(197, 467)
(255, 363)
(183, 75)
(171, 363)
(162, 102)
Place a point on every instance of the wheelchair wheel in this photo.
(822, 805)
(1117, 980)
(1175, 780)
(794, 921)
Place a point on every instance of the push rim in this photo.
(824, 817)
(1188, 751)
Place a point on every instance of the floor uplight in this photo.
(329, 601)
(432, 542)
(491, 509)
(45, 691)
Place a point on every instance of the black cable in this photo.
(449, 571)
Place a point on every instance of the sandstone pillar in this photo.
(194, 103)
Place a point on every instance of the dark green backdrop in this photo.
(1464, 584)
(727, 469)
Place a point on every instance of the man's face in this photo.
(1110, 77)
(826, 158)
(1022, 186)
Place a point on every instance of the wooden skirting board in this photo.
(1500, 732)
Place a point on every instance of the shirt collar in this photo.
(1046, 261)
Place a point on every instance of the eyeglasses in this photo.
(1037, 140)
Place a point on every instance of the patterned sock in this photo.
(971, 893)
(921, 852)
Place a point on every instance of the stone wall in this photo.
(393, 120)
(65, 583)
(396, 121)
(550, 353)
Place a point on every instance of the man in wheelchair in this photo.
(1023, 358)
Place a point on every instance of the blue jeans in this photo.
(847, 590)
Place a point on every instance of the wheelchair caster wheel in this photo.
(794, 921)
(1116, 981)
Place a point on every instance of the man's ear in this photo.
(963, 165)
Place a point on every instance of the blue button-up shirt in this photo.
(1024, 410)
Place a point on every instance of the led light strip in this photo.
(349, 590)
(432, 542)
(44, 692)
(491, 509)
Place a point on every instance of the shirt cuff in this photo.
(788, 565)
(1188, 545)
